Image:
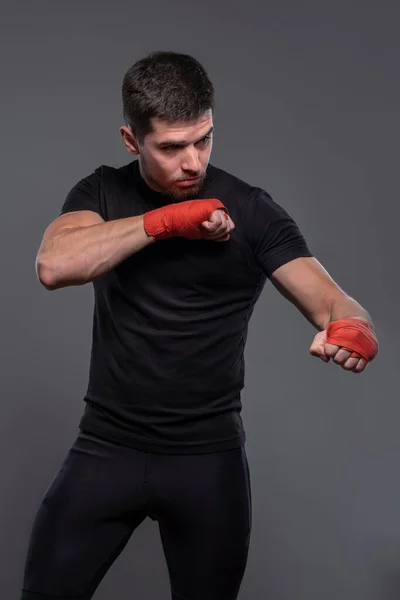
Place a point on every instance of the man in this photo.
(178, 252)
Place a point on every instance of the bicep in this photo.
(72, 220)
(81, 208)
(66, 223)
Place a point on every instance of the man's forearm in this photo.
(80, 255)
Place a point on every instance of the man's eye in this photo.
(173, 148)
(205, 139)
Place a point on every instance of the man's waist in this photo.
(187, 433)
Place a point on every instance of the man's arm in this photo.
(306, 284)
(346, 331)
(80, 246)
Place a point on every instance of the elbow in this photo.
(47, 274)
(53, 274)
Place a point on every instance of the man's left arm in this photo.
(346, 332)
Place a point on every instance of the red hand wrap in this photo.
(353, 335)
(180, 219)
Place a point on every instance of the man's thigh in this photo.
(205, 524)
(85, 520)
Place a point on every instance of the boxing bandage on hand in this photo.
(353, 335)
(181, 219)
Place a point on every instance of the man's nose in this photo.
(191, 160)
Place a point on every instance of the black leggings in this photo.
(102, 493)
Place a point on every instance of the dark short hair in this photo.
(165, 85)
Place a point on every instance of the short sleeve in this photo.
(274, 236)
(85, 195)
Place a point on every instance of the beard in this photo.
(191, 192)
(174, 193)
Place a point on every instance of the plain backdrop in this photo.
(308, 99)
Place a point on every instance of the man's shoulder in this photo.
(98, 174)
(233, 183)
(217, 174)
(119, 173)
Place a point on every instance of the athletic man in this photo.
(178, 252)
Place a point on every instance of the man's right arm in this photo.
(80, 246)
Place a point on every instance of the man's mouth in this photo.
(189, 181)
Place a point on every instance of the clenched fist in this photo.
(349, 342)
(340, 356)
(219, 226)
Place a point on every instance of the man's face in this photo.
(173, 158)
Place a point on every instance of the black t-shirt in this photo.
(170, 322)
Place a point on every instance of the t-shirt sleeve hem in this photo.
(284, 256)
(85, 195)
(68, 209)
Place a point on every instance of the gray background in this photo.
(308, 99)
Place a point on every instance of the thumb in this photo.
(209, 226)
(317, 348)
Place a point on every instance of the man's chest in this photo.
(178, 265)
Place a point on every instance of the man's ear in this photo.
(129, 139)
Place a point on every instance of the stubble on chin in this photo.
(183, 194)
